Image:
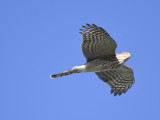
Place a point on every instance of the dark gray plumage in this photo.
(99, 49)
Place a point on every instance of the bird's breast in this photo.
(101, 65)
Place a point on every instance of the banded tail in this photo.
(76, 69)
(68, 72)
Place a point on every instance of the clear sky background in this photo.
(40, 37)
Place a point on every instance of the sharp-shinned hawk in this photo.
(99, 49)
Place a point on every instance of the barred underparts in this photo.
(99, 49)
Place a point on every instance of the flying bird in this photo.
(99, 49)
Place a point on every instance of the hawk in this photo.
(99, 49)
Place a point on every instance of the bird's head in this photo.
(123, 57)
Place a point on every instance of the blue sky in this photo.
(40, 37)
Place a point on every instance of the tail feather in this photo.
(76, 69)
(68, 72)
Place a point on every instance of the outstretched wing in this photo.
(97, 43)
(120, 80)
